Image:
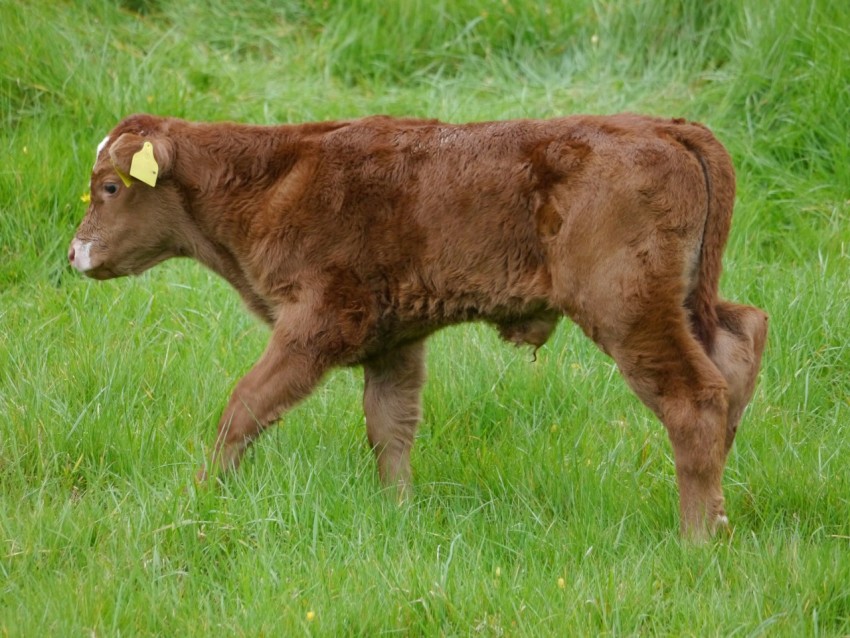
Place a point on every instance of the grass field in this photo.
(545, 500)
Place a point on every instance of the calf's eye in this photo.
(111, 188)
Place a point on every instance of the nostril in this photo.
(71, 255)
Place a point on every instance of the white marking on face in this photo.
(82, 255)
(100, 146)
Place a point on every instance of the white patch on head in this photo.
(82, 255)
(100, 146)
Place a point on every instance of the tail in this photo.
(720, 185)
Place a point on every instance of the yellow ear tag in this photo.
(144, 167)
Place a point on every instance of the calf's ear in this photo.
(144, 158)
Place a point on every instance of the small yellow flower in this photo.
(554, 428)
(311, 616)
(85, 198)
(498, 572)
(562, 583)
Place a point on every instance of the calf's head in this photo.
(133, 219)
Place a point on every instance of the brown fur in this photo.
(355, 240)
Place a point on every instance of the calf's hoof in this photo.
(714, 526)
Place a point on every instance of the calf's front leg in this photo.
(287, 372)
(392, 403)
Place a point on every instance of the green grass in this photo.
(526, 473)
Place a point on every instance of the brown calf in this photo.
(355, 240)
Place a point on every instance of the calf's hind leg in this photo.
(738, 346)
(671, 373)
(392, 404)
